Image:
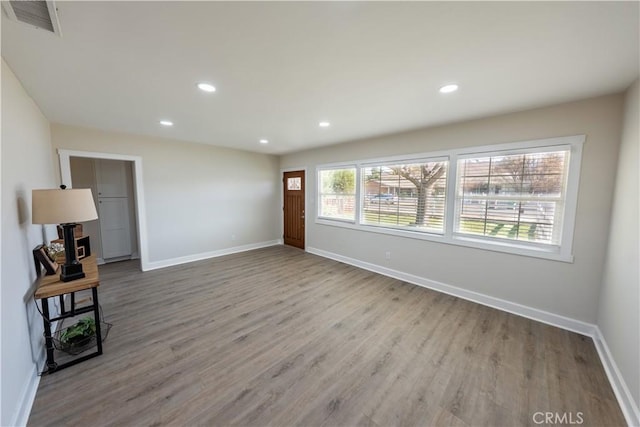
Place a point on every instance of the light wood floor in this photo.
(280, 337)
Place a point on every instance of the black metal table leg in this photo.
(51, 363)
(96, 314)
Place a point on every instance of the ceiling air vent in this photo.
(38, 14)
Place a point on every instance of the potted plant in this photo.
(79, 335)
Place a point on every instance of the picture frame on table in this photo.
(41, 258)
(83, 247)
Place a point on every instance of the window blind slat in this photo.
(514, 196)
(405, 195)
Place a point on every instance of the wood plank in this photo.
(279, 337)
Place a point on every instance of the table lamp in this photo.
(67, 208)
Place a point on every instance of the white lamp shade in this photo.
(62, 206)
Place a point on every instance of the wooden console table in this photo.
(51, 287)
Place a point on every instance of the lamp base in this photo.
(69, 272)
(72, 269)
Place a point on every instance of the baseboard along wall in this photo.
(625, 400)
(154, 265)
(28, 394)
(627, 404)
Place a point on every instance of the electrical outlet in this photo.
(233, 237)
(387, 255)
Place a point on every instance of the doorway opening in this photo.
(116, 184)
(113, 235)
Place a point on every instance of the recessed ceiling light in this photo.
(166, 123)
(264, 141)
(449, 88)
(207, 87)
(324, 124)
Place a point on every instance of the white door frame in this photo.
(65, 175)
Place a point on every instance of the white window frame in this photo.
(561, 252)
(387, 162)
(337, 166)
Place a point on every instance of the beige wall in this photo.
(619, 309)
(26, 165)
(567, 289)
(197, 197)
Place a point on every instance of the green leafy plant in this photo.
(79, 333)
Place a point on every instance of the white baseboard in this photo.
(504, 305)
(627, 404)
(154, 265)
(115, 259)
(101, 261)
(28, 396)
(625, 400)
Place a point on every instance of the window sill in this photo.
(553, 253)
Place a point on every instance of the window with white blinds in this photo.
(337, 193)
(517, 197)
(405, 195)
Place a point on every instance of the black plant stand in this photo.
(51, 287)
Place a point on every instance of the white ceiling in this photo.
(368, 68)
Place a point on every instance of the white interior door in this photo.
(111, 177)
(114, 227)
